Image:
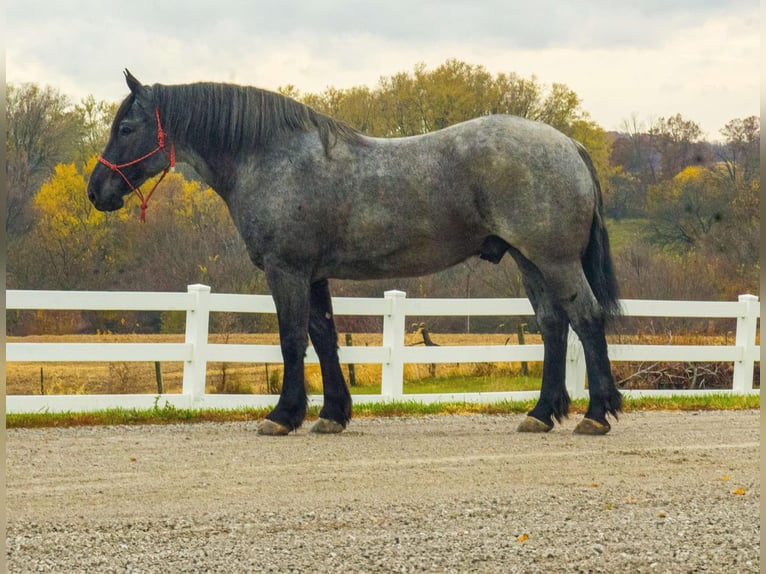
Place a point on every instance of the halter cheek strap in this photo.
(170, 155)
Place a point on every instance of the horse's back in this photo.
(519, 179)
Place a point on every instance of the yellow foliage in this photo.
(63, 206)
(691, 174)
(189, 202)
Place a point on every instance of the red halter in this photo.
(170, 155)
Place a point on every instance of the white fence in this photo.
(195, 352)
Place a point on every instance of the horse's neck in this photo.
(209, 168)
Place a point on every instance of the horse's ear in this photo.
(133, 83)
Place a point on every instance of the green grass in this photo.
(472, 384)
(625, 232)
(171, 415)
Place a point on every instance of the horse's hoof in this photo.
(327, 426)
(531, 424)
(592, 427)
(270, 428)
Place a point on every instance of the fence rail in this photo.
(195, 352)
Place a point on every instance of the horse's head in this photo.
(137, 150)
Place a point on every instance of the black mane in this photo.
(240, 118)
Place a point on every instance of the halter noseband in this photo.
(170, 155)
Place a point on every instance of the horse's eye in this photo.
(126, 130)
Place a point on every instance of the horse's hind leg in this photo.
(605, 399)
(336, 411)
(587, 319)
(554, 400)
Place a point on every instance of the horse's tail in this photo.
(597, 259)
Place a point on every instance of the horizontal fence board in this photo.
(493, 397)
(667, 393)
(222, 303)
(97, 352)
(233, 303)
(361, 306)
(701, 309)
(99, 300)
(462, 307)
(230, 353)
(673, 353)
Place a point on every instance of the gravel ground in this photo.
(663, 492)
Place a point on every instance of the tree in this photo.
(561, 108)
(45, 130)
(676, 141)
(453, 92)
(687, 208)
(407, 104)
(94, 120)
(741, 152)
(517, 96)
(40, 133)
(71, 245)
(401, 106)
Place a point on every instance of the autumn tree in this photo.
(685, 210)
(633, 155)
(739, 168)
(94, 119)
(677, 143)
(40, 133)
(417, 102)
(740, 153)
(71, 244)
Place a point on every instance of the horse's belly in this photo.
(419, 258)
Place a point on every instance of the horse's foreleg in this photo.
(291, 297)
(336, 411)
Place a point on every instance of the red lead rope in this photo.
(171, 155)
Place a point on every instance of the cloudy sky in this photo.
(627, 58)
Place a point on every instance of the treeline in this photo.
(684, 212)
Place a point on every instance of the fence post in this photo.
(747, 322)
(575, 370)
(392, 382)
(197, 323)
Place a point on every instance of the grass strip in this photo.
(172, 415)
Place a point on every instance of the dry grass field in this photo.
(136, 377)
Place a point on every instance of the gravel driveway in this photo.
(663, 492)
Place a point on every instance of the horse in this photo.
(315, 199)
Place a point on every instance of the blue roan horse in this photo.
(314, 199)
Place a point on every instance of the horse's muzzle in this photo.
(108, 203)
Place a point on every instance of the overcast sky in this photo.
(624, 58)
